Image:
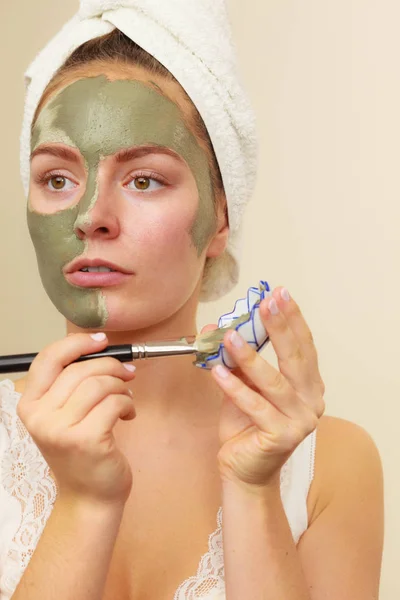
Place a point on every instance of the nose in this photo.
(98, 221)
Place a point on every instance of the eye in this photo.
(142, 183)
(59, 183)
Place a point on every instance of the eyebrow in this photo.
(57, 151)
(128, 154)
(123, 156)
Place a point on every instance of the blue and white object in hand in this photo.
(245, 318)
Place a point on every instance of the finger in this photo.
(90, 393)
(73, 375)
(293, 364)
(103, 417)
(297, 323)
(263, 413)
(269, 382)
(50, 362)
(274, 384)
(303, 335)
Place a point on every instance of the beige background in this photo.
(324, 222)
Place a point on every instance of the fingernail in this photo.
(285, 294)
(128, 367)
(98, 337)
(237, 339)
(273, 307)
(222, 371)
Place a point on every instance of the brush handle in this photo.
(18, 363)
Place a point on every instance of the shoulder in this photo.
(345, 453)
(341, 550)
(342, 434)
(339, 440)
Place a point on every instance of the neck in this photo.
(168, 390)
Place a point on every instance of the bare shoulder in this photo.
(341, 550)
(344, 451)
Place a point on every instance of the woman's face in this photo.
(116, 175)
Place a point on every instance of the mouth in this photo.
(96, 279)
(96, 272)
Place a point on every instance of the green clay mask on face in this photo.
(99, 118)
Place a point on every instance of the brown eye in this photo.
(142, 183)
(58, 183)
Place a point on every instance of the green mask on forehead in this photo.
(100, 117)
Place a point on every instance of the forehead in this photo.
(100, 117)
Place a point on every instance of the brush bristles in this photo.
(210, 341)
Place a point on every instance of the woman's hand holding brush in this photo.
(70, 411)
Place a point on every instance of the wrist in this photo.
(239, 489)
(80, 505)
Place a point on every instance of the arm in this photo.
(260, 556)
(339, 556)
(341, 552)
(73, 555)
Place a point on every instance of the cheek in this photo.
(167, 235)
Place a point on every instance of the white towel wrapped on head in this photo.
(193, 40)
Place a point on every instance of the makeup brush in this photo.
(203, 344)
(208, 347)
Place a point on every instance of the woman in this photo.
(124, 175)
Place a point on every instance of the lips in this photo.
(96, 280)
(83, 262)
(75, 276)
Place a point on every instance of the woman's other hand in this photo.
(267, 413)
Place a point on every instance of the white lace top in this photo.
(28, 493)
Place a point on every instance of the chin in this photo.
(111, 309)
(130, 315)
(141, 314)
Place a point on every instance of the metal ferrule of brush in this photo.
(158, 349)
